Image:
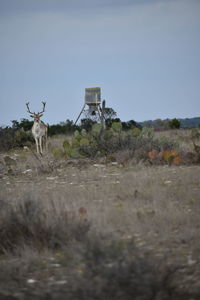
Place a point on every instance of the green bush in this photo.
(164, 143)
(74, 153)
(66, 145)
(195, 133)
(11, 138)
(58, 153)
(135, 132)
(174, 124)
(7, 138)
(138, 143)
(84, 141)
(147, 132)
(23, 138)
(117, 127)
(71, 150)
(96, 129)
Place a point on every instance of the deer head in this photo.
(33, 114)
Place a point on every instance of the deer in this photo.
(39, 129)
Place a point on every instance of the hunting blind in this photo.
(92, 104)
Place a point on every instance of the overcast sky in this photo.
(144, 54)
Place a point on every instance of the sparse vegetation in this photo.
(59, 228)
(140, 145)
(39, 225)
(92, 219)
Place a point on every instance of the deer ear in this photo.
(41, 115)
(32, 116)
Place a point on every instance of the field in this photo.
(99, 229)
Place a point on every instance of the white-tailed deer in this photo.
(39, 129)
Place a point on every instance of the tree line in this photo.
(19, 134)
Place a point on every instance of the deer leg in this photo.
(37, 146)
(40, 141)
(46, 146)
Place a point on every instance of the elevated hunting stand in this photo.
(92, 104)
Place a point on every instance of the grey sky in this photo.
(143, 54)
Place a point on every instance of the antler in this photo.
(43, 109)
(28, 109)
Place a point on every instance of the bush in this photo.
(66, 145)
(147, 132)
(30, 223)
(117, 127)
(70, 150)
(139, 144)
(87, 124)
(135, 132)
(174, 124)
(96, 129)
(116, 271)
(66, 127)
(7, 138)
(24, 124)
(163, 143)
(95, 267)
(11, 138)
(23, 138)
(195, 133)
(58, 153)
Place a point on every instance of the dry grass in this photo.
(93, 230)
(181, 136)
(57, 141)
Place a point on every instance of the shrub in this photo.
(11, 138)
(30, 223)
(87, 124)
(153, 154)
(170, 156)
(23, 138)
(190, 158)
(24, 124)
(195, 133)
(96, 129)
(58, 153)
(174, 124)
(117, 127)
(135, 132)
(139, 144)
(147, 132)
(130, 125)
(177, 160)
(163, 143)
(66, 127)
(66, 145)
(84, 141)
(74, 153)
(7, 138)
(70, 150)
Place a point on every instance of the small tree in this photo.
(174, 124)
(130, 125)
(109, 113)
(87, 124)
(23, 124)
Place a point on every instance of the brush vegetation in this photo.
(113, 218)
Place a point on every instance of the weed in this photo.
(28, 222)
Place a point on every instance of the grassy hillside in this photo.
(186, 123)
